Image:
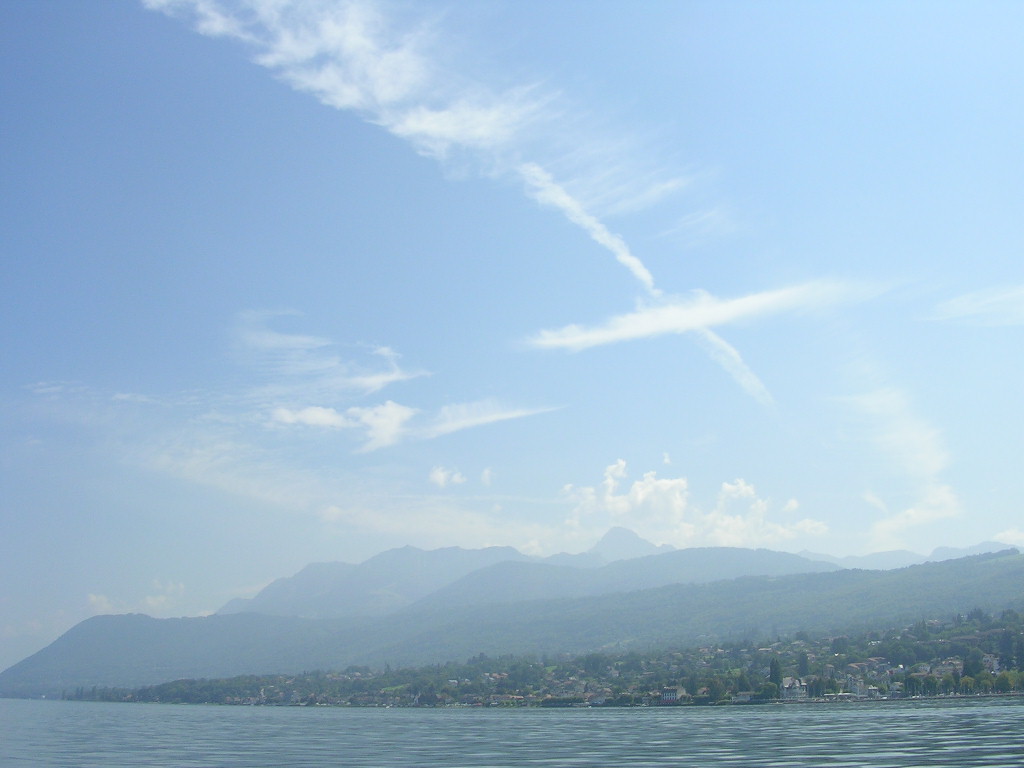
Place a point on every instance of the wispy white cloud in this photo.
(390, 423)
(660, 510)
(701, 225)
(253, 332)
(915, 449)
(700, 312)
(456, 417)
(489, 125)
(628, 197)
(547, 192)
(353, 56)
(935, 502)
(912, 442)
(313, 416)
(234, 462)
(302, 366)
(392, 374)
(995, 306)
(727, 356)
(210, 17)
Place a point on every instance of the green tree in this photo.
(768, 691)
(803, 664)
(1003, 683)
(973, 664)
(775, 673)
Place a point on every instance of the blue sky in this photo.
(294, 282)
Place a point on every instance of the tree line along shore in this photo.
(972, 654)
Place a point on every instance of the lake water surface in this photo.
(964, 732)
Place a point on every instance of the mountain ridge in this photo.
(397, 578)
(132, 650)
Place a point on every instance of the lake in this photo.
(961, 732)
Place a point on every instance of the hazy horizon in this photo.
(299, 282)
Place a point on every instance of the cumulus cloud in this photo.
(163, 597)
(299, 367)
(660, 510)
(385, 423)
(443, 477)
(1012, 536)
(100, 604)
(165, 593)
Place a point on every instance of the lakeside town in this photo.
(964, 655)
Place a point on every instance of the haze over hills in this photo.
(512, 582)
(393, 579)
(620, 562)
(134, 650)
(383, 584)
(901, 558)
(411, 606)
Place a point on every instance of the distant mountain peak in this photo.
(623, 544)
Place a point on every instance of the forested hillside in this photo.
(133, 650)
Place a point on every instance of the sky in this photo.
(289, 282)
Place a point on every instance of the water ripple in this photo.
(984, 732)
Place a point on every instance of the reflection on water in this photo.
(880, 735)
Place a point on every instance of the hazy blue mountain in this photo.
(617, 544)
(901, 558)
(622, 544)
(135, 650)
(951, 553)
(876, 561)
(398, 577)
(383, 584)
(510, 582)
(579, 560)
(619, 562)
(301, 592)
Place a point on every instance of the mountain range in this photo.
(408, 606)
(411, 578)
